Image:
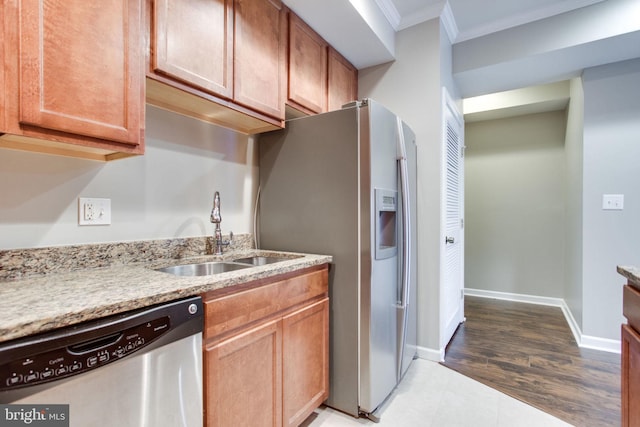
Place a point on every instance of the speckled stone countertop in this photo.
(632, 274)
(37, 303)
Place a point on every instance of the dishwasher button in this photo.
(92, 361)
(46, 373)
(13, 380)
(31, 377)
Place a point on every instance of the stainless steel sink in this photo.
(203, 269)
(260, 260)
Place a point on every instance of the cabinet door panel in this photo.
(307, 66)
(306, 361)
(3, 89)
(259, 55)
(80, 67)
(630, 377)
(243, 379)
(343, 81)
(193, 42)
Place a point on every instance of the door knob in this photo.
(448, 239)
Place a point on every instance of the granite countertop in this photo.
(36, 304)
(632, 274)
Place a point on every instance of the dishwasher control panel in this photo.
(76, 358)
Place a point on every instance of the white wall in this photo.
(573, 229)
(411, 86)
(166, 193)
(611, 166)
(515, 205)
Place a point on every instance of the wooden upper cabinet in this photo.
(221, 61)
(2, 70)
(343, 81)
(260, 55)
(80, 68)
(307, 67)
(194, 43)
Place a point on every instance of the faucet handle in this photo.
(228, 242)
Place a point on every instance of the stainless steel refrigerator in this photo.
(343, 183)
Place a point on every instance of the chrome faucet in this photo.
(216, 219)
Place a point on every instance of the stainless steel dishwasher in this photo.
(142, 368)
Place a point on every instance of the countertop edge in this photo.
(631, 273)
(41, 304)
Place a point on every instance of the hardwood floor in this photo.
(528, 352)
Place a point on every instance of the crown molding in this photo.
(440, 9)
(431, 11)
(449, 22)
(390, 12)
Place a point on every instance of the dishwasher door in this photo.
(138, 369)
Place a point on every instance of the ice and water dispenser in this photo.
(386, 229)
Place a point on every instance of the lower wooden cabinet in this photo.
(630, 377)
(305, 366)
(631, 357)
(244, 378)
(266, 358)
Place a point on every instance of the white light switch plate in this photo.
(613, 202)
(92, 211)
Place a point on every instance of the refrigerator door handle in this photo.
(406, 226)
(406, 244)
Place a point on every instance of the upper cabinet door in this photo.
(80, 67)
(343, 81)
(3, 95)
(307, 66)
(193, 42)
(260, 54)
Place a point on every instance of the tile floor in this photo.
(432, 395)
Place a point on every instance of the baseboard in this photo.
(584, 341)
(430, 354)
(531, 299)
(603, 344)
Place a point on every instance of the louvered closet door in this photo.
(452, 303)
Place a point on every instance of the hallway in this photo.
(528, 352)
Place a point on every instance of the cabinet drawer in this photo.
(631, 306)
(228, 312)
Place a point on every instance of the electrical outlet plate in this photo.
(613, 202)
(92, 211)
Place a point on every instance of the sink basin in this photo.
(202, 269)
(260, 260)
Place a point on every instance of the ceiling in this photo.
(475, 18)
(561, 44)
(364, 30)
